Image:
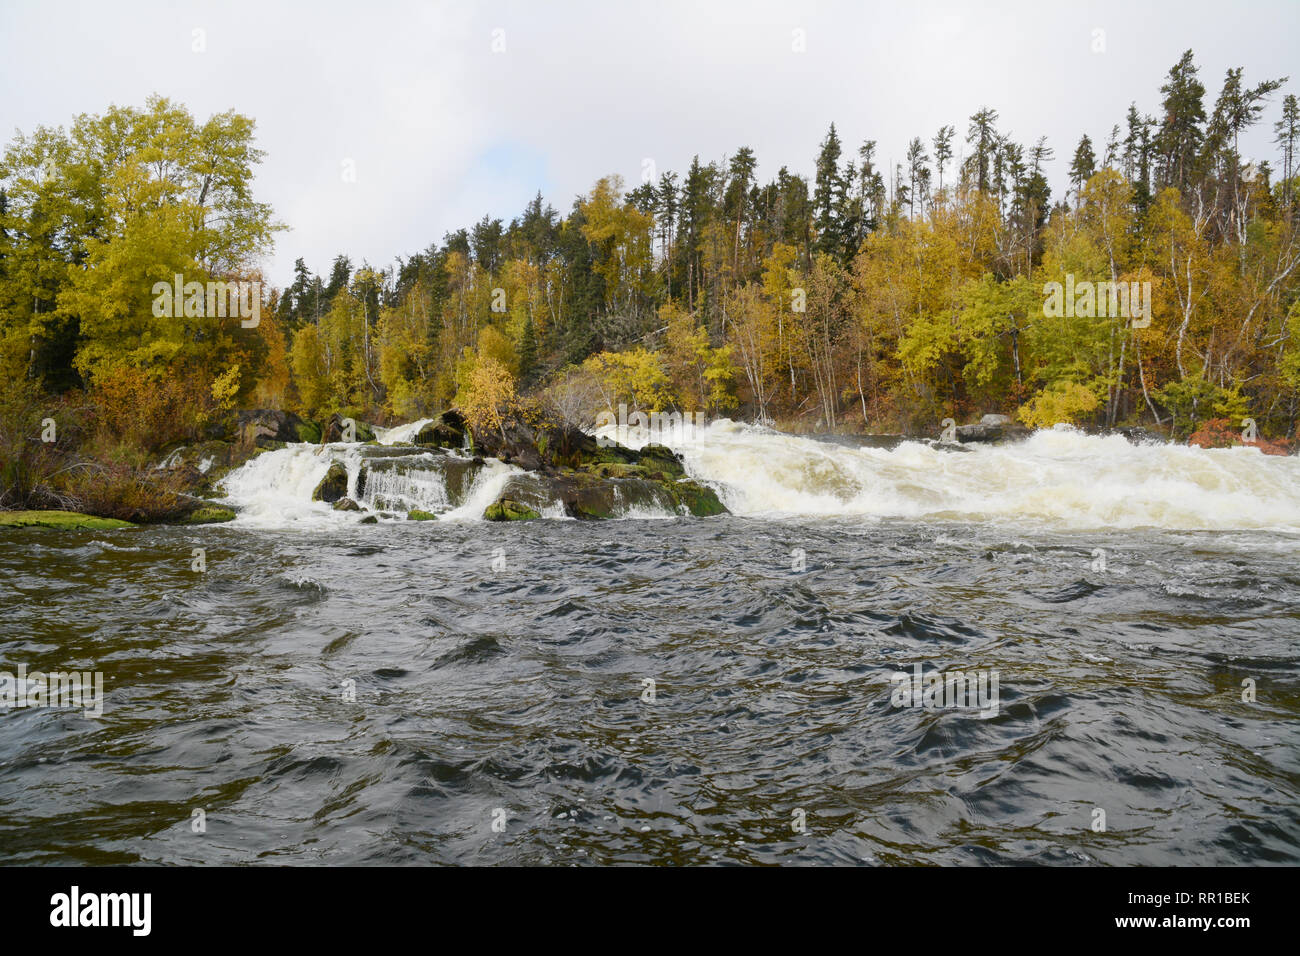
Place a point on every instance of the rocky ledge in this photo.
(586, 477)
(564, 471)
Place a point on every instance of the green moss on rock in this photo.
(415, 514)
(333, 486)
(66, 520)
(660, 460)
(617, 469)
(507, 509)
(699, 500)
(209, 514)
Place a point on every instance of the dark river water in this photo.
(502, 713)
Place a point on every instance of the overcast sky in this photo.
(441, 128)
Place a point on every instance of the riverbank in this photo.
(527, 467)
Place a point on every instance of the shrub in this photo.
(1067, 402)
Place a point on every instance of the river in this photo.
(669, 689)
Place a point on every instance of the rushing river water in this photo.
(666, 689)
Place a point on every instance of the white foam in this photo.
(400, 433)
(1059, 478)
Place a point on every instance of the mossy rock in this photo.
(346, 504)
(660, 460)
(448, 430)
(309, 431)
(209, 514)
(369, 519)
(333, 486)
(415, 514)
(506, 509)
(614, 454)
(65, 520)
(617, 469)
(699, 500)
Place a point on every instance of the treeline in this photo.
(866, 297)
(862, 298)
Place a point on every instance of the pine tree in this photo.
(1083, 165)
(1181, 134)
(827, 196)
(982, 134)
(1288, 133)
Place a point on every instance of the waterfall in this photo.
(1057, 478)
(400, 433)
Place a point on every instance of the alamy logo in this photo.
(973, 690)
(1116, 300)
(84, 689)
(212, 300)
(661, 428)
(103, 909)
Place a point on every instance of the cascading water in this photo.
(400, 433)
(276, 487)
(1059, 478)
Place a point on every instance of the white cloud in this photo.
(443, 130)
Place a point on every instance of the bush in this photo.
(150, 410)
(1194, 402)
(1225, 433)
(31, 467)
(138, 495)
(1064, 402)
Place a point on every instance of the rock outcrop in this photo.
(445, 431)
(992, 428)
(507, 509)
(258, 426)
(333, 486)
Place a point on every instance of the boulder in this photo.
(992, 428)
(660, 462)
(587, 496)
(506, 509)
(980, 432)
(208, 513)
(346, 504)
(617, 469)
(415, 514)
(548, 447)
(445, 431)
(333, 486)
(334, 428)
(514, 442)
(698, 499)
(260, 425)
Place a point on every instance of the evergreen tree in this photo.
(1178, 144)
(1083, 165)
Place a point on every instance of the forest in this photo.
(860, 299)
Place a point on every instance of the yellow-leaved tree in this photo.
(487, 396)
